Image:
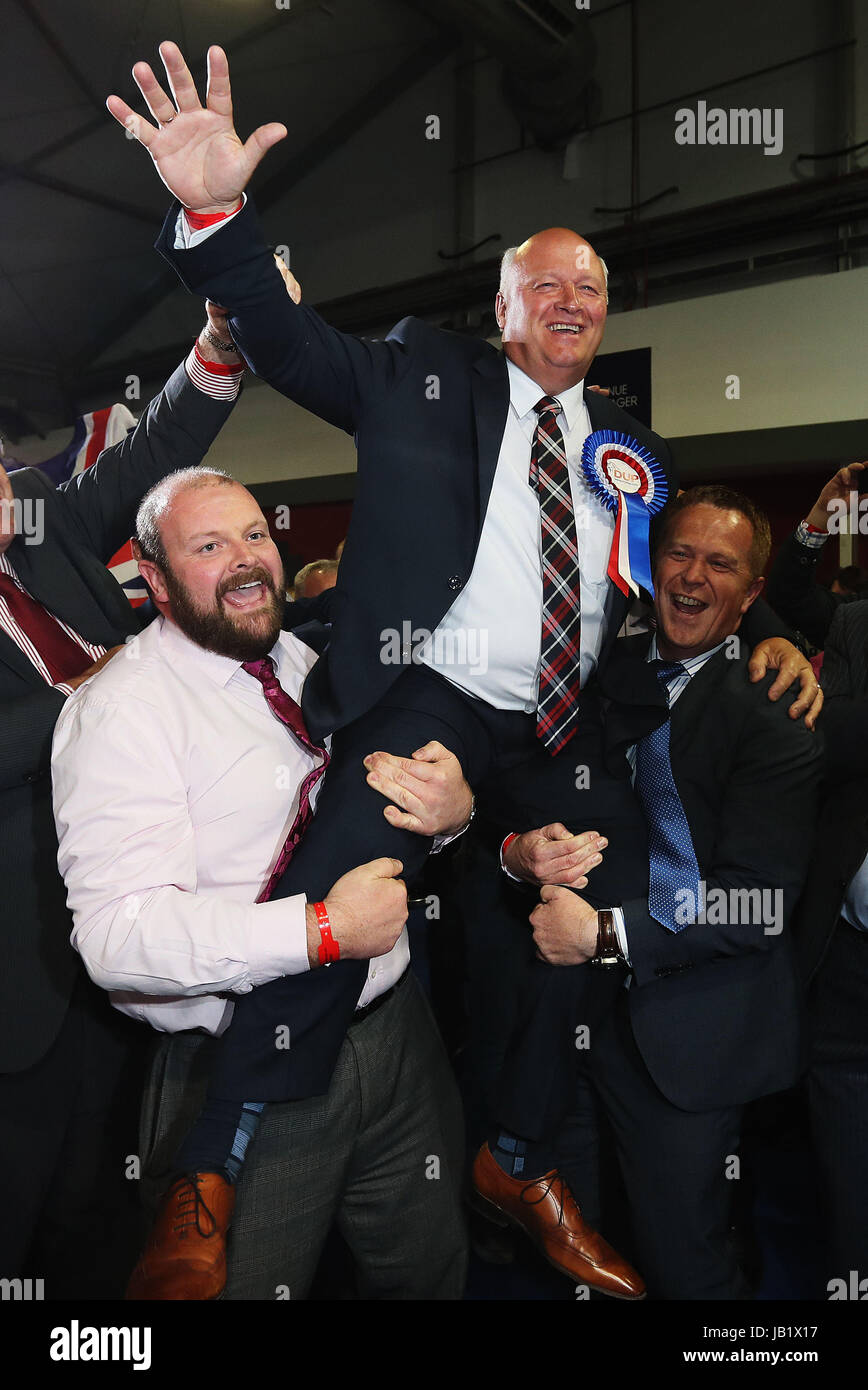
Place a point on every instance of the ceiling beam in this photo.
(26, 169)
(51, 41)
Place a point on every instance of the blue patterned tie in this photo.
(672, 858)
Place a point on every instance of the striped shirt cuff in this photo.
(62, 687)
(814, 540)
(218, 380)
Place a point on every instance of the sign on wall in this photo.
(627, 375)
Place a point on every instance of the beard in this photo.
(241, 636)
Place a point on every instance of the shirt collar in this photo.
(691, 664)
(524, 393)
(214, 667)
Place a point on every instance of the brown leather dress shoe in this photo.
(185, 1256)
(546, 1209)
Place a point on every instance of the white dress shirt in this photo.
(496, 620)
(174, 790)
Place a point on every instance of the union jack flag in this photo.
(92, 433)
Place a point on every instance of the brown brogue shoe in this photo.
(547, 1211)
(185, 1256)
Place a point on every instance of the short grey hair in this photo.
(507, 261)
(155, 503)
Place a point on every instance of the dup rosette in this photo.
(628, 480)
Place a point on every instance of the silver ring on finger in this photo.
(169, 119)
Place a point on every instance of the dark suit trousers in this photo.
(838, 1096)
(69, 1123)
(510, 995)
(349, 829)
(673, 1162)
(674, 1166)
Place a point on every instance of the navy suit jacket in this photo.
(714, 1007)
(427, 409)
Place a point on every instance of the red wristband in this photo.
(329, 949)
(506, 844)
(197, 220)
(814, 530)
(217, 368)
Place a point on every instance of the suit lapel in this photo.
(490, 386)
(636, 705)
(75, 587)
(15, 659)
(692, 701)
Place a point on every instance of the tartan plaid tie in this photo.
(557, 704)
(289, 713)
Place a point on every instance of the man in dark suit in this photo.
(62, 615)
(832, 939)
(728, 785)
(448, 432)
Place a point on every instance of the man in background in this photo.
(314, 578)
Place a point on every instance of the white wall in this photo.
(797, 347)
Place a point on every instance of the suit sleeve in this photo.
(176, 431)
(764, 842)
(332, 374)
(28, 725)
(320, 609)
(794, 593)
(844, 721)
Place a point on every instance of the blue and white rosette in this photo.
(627, 479)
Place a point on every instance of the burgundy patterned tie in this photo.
(63, 658)
(289, 713)
(557, 704)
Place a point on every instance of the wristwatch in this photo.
(608, 952)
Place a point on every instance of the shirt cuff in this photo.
(186, 237)
(441, 841)
(507, 871)
(814, 540)
(621, 932)
(62, 687)
(277, 940)
(219, 380)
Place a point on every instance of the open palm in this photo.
(195, 148)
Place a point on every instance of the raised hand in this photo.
(195, 148)
(837, 489)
